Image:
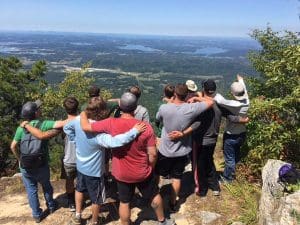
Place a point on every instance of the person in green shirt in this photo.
(31, 112)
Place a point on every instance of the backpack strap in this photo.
(38, 124)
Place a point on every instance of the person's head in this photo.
(94, 91)
(71, 105)
(31, 110)
(169, 90)
(191, 86)
(96, 109)
(181, 91)
(128, 102)
(209, 87)
(238, 91)
(136, 91)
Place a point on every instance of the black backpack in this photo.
(32, 151)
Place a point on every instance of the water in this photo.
(138, 47)
(209, 51)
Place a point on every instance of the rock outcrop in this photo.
(277, 207)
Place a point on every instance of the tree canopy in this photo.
(273, 131)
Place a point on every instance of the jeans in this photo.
(31, 178)
(232, 145)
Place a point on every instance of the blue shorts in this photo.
(94, 186)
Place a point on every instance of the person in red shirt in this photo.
(132, 164)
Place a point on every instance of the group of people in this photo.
(120, 128)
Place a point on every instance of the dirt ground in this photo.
(14, 208)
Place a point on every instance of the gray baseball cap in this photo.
(29, 109)
(128, 102)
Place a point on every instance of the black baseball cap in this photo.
(209, 86)
(29, 109)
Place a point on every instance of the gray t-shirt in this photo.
(237, 107)
(70, 152)
(141, 113)
(177, 117)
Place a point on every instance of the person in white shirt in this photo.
(234, 133)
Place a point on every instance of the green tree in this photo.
(16, 87)
(273, 131)
(76, 83)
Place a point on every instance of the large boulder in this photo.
(277, 207)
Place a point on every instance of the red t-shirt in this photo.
(130, 163)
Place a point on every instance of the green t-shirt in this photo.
(44, 126)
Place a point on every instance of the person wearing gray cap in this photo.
(35, 170)
(133, 164)
(234, 133)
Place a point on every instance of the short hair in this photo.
(71, 105)
(94, 91)
(181, 91)
(169, 90)
(96, 109)
(136, 91)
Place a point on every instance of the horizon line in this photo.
(120, 34)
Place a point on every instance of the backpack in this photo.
(32, 151)
(289, 174)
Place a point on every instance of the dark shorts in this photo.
(172, 167)
(94, 186)
(148, 188)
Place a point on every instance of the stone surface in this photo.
(209, 217)
(238, 223)
(290, 209)
(275, 206)
(17, 175)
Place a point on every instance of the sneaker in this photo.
(223, 180)
(167, 222)
(216, 193)
(37, 219)
(201, 194)
(92, 223)
(75, 220)
(53, 209)
(173, 208)
(72, 207)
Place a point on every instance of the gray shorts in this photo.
(68, 172)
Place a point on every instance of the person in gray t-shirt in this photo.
(177, 115)
(140, 113)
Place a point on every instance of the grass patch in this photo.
(14, 186)
(56, 153)
(247, 195)
(295, 215)
(291, 188)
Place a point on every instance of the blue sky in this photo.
(161, 17)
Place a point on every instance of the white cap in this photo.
(238, 91)
(191, 85)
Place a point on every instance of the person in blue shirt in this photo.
(90, 157)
